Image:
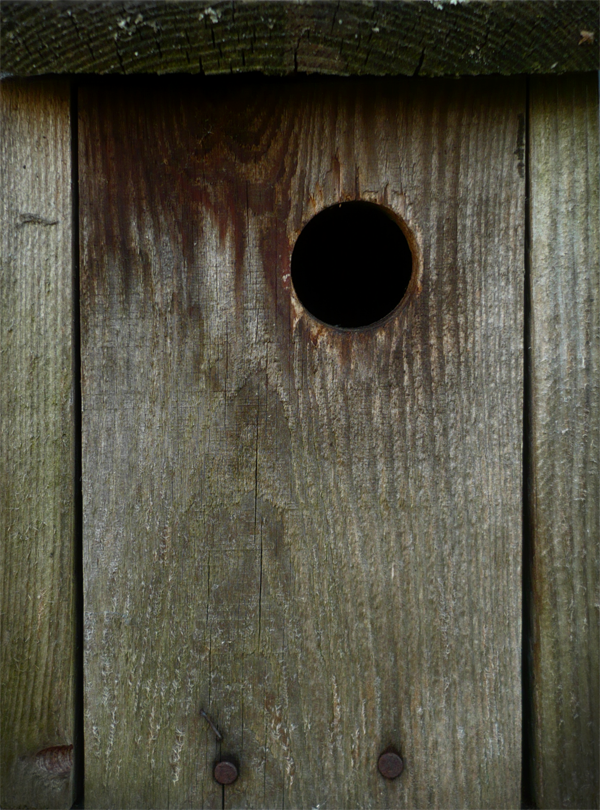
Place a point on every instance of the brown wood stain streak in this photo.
(197, 174)
(313, 534)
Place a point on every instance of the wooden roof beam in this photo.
(350, 37)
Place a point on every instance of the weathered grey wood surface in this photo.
(442, 37)
(313, 534)
(36, 500)
(565, 369)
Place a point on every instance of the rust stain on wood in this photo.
(235, 157)
(56, 761)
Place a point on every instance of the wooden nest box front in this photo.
(300, 362)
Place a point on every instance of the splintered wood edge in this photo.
(282, 37)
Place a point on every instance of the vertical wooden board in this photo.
(565, 368)
(36, 501)
(313, 534)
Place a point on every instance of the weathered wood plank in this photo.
(444, 37)
(36, 501)
(313, 534)
(565, 386)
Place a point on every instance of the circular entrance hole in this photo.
(351, 265)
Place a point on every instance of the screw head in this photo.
(390, 764)
(225, 772)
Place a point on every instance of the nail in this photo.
(225, 772)
(218, 734)
(390, 764)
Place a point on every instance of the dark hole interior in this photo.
(351, 265)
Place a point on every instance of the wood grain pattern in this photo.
(314, 535)
(565, 362)
(36, 500)
(380, 37)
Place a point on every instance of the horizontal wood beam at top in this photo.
(368, 37)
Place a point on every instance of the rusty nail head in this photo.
(225, 772)
(390, 764)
